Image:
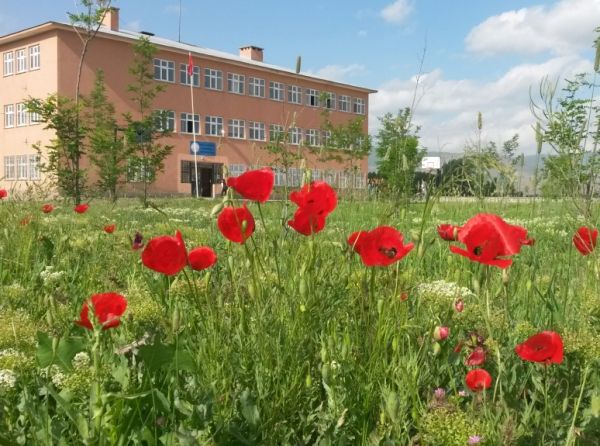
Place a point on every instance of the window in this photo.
(326, 137)
(235, 83)
(164, 120)
(276, 91)
(34, 118)
(137, 169)
(9, 63)
(184, 77)
(9, 168)
(235, 128)
(279, 176)
(213, 125)
(34, 57)
(235, 170)
(21, 61)
(164, 70)
(294, 176)
(21, 115)
(256, 131)
(213, 79)
(359, 106)
(189, 123)
(22, 167)
(276, 133)
(34, 167)
(294, 94)
(316, 174)
(312, 137)
(344, 103)
(256, 87)
(9, 115)
(330, 100)
(312, 97)
(295, 135)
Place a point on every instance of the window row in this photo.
(238, 129)
(336, 178)
(164, 70)
(18, 115)
(22, 167)
(21, 60)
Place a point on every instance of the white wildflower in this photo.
(8, 379)
(81, 360)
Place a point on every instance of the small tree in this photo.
(107, 151)
(63, 153)
(147, 155)
(398, 152)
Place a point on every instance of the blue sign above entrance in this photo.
(203, 148)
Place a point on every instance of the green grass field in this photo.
(291, 339)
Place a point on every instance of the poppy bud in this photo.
(395, 344)
(440, 333)
(404, 296)
(437, 348)
(308, 380)
(176, 319)
(325, 372)
(459, 305)
(217, 209)
(476, 287)
(230, 262)
(505, 278)
(528, 285)
(379, 305)
(252, 290)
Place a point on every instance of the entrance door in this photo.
(206, 180)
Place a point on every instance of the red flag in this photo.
(190, 65)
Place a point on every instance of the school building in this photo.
(241, 104)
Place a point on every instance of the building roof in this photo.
(182, 47)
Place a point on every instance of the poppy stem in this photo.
(570, 440)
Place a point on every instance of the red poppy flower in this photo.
(109, 229)
(165, 254)
(306, 222)
(254, 185)
(477, 357)
(231, 222)
(138, 241)
(448, 232)
(478, 380)
(317, 197)
(382, 246)
(3, 194)
(585, 240)
(546, 347)
(80, 209)
(47, 208)
(488, 238)
(108, 308)
(202, 258)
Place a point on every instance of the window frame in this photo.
(294, 91)
(8, 62)
(21, 65)
(184, 78)
(276, 87)
(280, 131)
(358, 106)
(9, 115)
(212, 75)
(236, 129)
(256, 87)
(10, 171)
(253, 128)
(34, 167)
(187, 118)
(236, 80)
(330, 100)
(213, 125)
(21, 114)
(22, 167)
(344, 103)
(164, 66)
(170, 118)
(295, 136)
(312, 97)
(311, 137)
(34, 57)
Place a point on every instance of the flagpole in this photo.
(191, 80)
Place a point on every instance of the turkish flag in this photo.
(190, 65)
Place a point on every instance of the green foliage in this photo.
(107, 152)
(62, 156)
(398, 152)
(146, 154)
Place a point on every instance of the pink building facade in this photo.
(240, 104)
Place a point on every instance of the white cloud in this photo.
(447, 109)
(338, 72)
(397, 12)
(134, 25)
(566, 27)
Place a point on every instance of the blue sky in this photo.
(480, 55)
